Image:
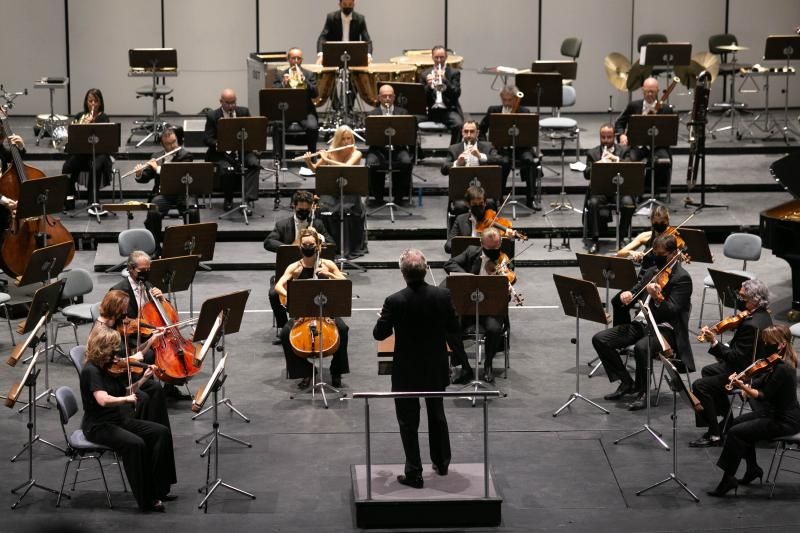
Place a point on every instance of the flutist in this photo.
(296, 77)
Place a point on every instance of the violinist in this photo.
(669, 305)
(145, 447)
(773, 394)
(465, 224)
(753, 297)
(470, 152)
(312, 266)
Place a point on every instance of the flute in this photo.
(302, 157)
(157, 159)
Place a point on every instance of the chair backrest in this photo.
(66, 403)
(720, 39)
(647, 38)
(136, 239)
(76, 354)
(568, 96)
(78, 282)
(571, 47)
(744, 246)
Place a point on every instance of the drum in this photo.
(424, 61)
(365, 79)
(57, 129)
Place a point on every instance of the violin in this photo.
(492, 220)
(129, 327)
(661, 278)
(503, 269)
(119, 367)
(758, 367)
(727, 324)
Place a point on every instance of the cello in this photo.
(23, 237)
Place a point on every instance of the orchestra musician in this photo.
(344, 24)
(733, 357)
(227, 162)
(442, 91)
(296, 77)
(608, 151)
(776, 413)
(422, 318)
(93, 113)
(311, 265)
(465, 224)
(145, 447)
(648, 104)
(377, 156)
(671, 315)
(5, 160)
(151, 171)
(470, 151)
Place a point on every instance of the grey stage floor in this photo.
(555, 474)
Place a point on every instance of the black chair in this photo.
(571, 47)
(647, 38)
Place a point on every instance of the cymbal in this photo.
(617, 67)
(637, 75)
(733, 48)
(700, 61)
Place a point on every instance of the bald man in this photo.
(378, 156)
(227, 163)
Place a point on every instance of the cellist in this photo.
(311, 265)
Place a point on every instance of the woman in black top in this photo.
(776, 412)
(93, 113)
(145, 447)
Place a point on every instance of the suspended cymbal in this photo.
(733, 48)
(637, 75)
(617, 67)
(700, 61)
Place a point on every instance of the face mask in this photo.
(661, 261)
(492, 254)
(142, 275)
(768, 349)
(308, 251)
(347, 10)
(659, 227)
(302, 214)
(477, 211)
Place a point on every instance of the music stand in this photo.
(242, 134)
(580, 299)
(408, 95)
(512, 130)
(46, 263)
(338, 180)
(784, 48)
(727, 285)
(652, 131)
(343, 55)
(186, 178)
(154, 60)
(175, 274)
(292, 106)
(41, 197)
(696, 245)
(231, 306)
(568, 69)
(488, 177)
(388, 131)
(103, 138)
(678, 389)
(615, 180)
(461, 243)
(669, 55)
(191, 239)
(320, 298)
(289, 253)
(478, 296)
(540, 89)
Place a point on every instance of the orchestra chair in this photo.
(788, 444)
(78, 446)
(560, 128)
(147, 126)
(571, 47)
(744, 246)
(76, 354)
(469, 335)
(78, 284)
(4, 298)
(131, 240)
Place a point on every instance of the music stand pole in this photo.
(95, 209)
(513, 131)
(476, 384)
(390, 205)
(342, 182)
(242, 207)
(650, 202)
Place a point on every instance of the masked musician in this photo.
(442, 92)
(145, 447)
(93, 113)
(312, 266)
(377, 156)
(607, 151)
(227, 162)
(731, 358)
(296, 77)
(645, 106)
(151, 171)
(470, 152)
(466, 224)
(344, 25)
(776, 412)
(422, 318)
(671, 315)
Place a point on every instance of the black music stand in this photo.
(388, 131)
(540, 89)
(784, 48)
(668, 55)
(156, 61)
(478, 296)
(242, 135)
(580, 299)
(191, 239)
(289, 253)
(727, 285)
(513, 130)
(320, 298)
(460, 243)
(615, 180)
(567, 69)
(488, 177)
(696, 245)
(697, 139)
(678, 389)
(338, 180)
(292, 106)
(182, 178)
(408, 95)
(103, 138)
(39, 198)
(232, 308)
(652, 131)
(175, 274)
(343, 55)
(45, 263)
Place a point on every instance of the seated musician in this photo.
(93, 113)
(671, 315)
(344, 24)
(377, 156)
(151, 171)
(442, 92)
(774, 392)
(296, 77)
(312, 266)
(5, 160)
(145, 447)
(465, 224)
(607, 151)
(227, 163)
(526, 160)
(481, 260)
(470, 152)
(645, 106)
(732, 357)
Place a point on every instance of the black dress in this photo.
(77, 163)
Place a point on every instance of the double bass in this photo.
(23, 237)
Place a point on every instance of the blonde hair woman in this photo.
(343, 136)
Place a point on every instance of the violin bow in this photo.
(672, 230)
(671, 263)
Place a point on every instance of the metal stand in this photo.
(156, 126)
(476, 384)
(94, 209)
(51, 124)
(342, 261)
(732, 106)
(390, 205)
(513, 131)
(646, 207)
(787, 129)
(242, 208)
(563, 203)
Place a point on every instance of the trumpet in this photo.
(438, 85)
(296, 78)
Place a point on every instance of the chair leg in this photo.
(77, 469)
(75, 332)
(105, 483)
(777, 470)
(778, 446)
(8, 321)
(506, 355)
(63, 481)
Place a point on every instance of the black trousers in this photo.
(608, 342)
(407, 411)
(710, 390)
(450, 118)
(147, 454)
(528, 170)
(378, 161)
(493, 342)
(151, 403)
(298, 367)
(622, 313)
(663, 172)
(742, 436)
(75, 164)
(593, 206)
(153, 220)
(311, 127)
(231, 185)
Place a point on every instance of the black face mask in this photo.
(477, 211)
(493, 255)
(768, 349)
(142, 275)
(661, 261)
(302, 214)
(347, 10)
(308, 251)
(660, 227)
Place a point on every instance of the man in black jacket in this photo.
(470, 151)
(442, 91)
(731, 358)
(295, 76)
(345, 18)
(422, 318)
(378, 156)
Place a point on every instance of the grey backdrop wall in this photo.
(90, 38)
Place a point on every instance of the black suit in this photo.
(402, 162)
(732, 357)
(332, 31)
(225, 162)
(462, 227)
(594, 202)
(77, 163)
(423, 319)
(310, 124)
(125, 286)
(163, 203)
(674, 310)
(642, 153)
(456, 149)
(450, 115)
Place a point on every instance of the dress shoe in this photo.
(441, 470)
(725, 485)
(638, 403)
(414, 482)
(227, 206)
(751, 475)
(171, 391)
(465, 376)
(336, 380)
(488, 374)
(157, 507)
(624, 389)
(304, 383)
(706, 441)
(594, 248)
